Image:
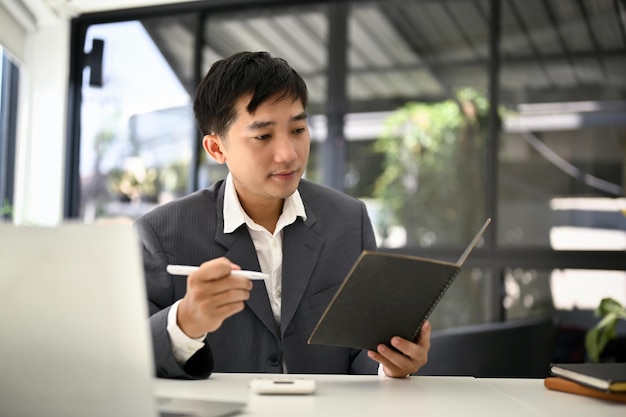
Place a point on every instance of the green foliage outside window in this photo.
(6, 210)
(433, 177)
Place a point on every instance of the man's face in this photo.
(266, 152)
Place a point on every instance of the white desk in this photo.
(363, 396)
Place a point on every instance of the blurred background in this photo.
(437, 114)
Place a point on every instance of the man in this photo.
(250, 108)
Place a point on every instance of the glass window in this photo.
(297, 34)
(578, 289)
(562, 154)
(562, 160)
(406, 128)
(417, 132)
(469, 300)
(417, 135)
(563, 189)
(527, 293)
(571, 295)
(137, 130)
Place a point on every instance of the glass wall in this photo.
(137, 131)
(423, 71)
(562, 154)
(437, 114)
(417, 131)
(297, 34)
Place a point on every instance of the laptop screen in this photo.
(75, 338)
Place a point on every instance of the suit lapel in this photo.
(301, 250)
(240, 250)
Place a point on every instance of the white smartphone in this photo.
(282, 385)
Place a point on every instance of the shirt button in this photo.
(275, 243)
(279, 294)
(274, 359)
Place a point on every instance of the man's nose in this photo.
(285, 148)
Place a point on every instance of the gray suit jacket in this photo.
(317, 255)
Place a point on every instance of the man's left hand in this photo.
(409, 356)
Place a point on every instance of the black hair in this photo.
(256, 73)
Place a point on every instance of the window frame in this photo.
(490, 256)
(9, 81)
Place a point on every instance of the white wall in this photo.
(41, 128)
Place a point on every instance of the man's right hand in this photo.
(213, 295)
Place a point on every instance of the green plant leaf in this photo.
(610, 305)
(591, 344)
(599, 335)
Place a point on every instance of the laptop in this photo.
(75, 338)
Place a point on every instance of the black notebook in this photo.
(386, 295)
(602, 376)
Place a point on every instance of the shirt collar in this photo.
(235, 216)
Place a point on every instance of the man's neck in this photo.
(265, 215)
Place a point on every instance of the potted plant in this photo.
(605, 330)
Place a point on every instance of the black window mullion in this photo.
(8, 122)
(334, 148)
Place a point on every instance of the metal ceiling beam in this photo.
(457, 25)
(561, 39)
(597, 49)
(435, 65)
(522, 24)
(620, 11)
(413, 40)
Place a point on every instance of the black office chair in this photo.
(516, 349)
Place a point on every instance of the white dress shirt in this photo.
(269, 250)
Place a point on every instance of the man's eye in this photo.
(263, 137)
(299, 130)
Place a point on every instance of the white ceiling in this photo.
(86, 6)
(33, 14)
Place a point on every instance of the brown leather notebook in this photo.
(604, 376)
(560, 384)
(386, 295)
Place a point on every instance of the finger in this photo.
(424, 338)
(405, 357)
(211, 295)
(389, 367)
(202, 287)
(229, 283)
(214, 269)
(388, 357)
(229, 310)
(208, 313)
(231, 296)
(226, 310)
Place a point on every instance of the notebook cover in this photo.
(384, 295)
(602, 376)
(560, 384)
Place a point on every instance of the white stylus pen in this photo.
(188, 269)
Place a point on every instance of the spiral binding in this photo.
(442, 291)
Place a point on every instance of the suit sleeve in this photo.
(160, 297)
(361, 363)
(369, 239)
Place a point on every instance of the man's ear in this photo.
(213, 145)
